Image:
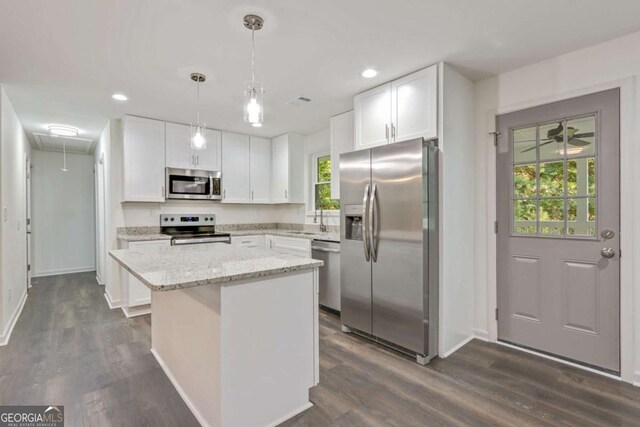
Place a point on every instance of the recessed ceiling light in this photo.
(119, 97)
(61, 130)
(369, 73)
(256, 125)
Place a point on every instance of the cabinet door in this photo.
(209, 158)
(414, 105)
(280, 169)
(260, 167)
(178, 146)
(372, 117)
(144, 159)
(249, 241)
(235, 168)
(341, 141)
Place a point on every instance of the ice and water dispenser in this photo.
(353, 222)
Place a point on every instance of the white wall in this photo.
(14, 151)
(599, 67)
(63, 228)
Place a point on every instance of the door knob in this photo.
(607, 252)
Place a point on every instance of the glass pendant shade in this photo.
(253, 102)
(198, 141)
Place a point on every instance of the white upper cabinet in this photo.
(397, 111)
(178, 146)
(287, 169)
(414, 105)
(235, 168)
(180, 154)
(341, 141)
(143, 159)
(372, 117)
(260, 169)
(210, 159)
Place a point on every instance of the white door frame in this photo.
(629, 197)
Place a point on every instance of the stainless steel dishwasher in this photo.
(329, 252)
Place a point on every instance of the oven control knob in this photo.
(172, 219)
(206, 219)
(166, 219)
(211, 219)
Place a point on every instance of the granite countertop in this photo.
(313, 235)
(168, 268)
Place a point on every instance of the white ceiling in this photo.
(61, 60)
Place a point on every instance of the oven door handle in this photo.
(178, 242)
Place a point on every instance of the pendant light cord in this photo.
(253, 57)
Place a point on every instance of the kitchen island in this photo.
(235, 329)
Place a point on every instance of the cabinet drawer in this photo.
(248, 241)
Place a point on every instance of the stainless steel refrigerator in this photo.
(389, 245)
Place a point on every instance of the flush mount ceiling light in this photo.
(119, 97)
(61, 130)
(253, 93)
(198, 142)
(256, 125)
(369, 73)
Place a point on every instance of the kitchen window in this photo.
(322, 184)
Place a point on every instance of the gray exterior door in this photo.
(558, 242)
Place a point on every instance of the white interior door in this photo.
(28, 221)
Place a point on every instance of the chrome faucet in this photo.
(323, 227)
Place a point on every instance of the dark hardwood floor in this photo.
(70, 348)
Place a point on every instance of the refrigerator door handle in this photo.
(372, 224)
(365, 229)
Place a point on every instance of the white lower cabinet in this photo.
(257, 241)
(136, 295)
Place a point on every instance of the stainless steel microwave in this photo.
(193, 184)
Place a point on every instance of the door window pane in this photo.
(525, 216)
(524, 181)
(551, 141)
(591, 174)
(581, 136)
(524, 145)
(581, 216)
(552, 179)
(552, 216)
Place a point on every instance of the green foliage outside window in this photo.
(323, 198)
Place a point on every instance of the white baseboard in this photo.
(458, 346)
(291, 415)
(64, 271)
(481, 334)
(99, 280)
(136, 311)
(111, 302)
(180, 391)
(6, 334)
(564, 362)
(636, 380)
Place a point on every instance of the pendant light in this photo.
(198, 141)
(253, 94)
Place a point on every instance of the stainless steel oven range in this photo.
(192, 229)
